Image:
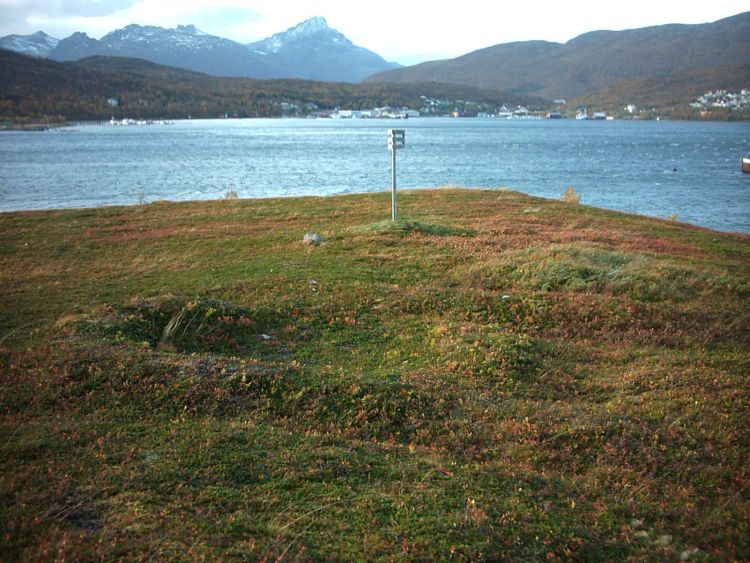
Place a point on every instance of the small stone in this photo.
(265, 337)
(313, 239)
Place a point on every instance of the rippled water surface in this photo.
(652, 168)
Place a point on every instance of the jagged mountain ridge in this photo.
(183, 47)
(591, 61)
(310, 50)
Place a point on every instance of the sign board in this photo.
(396, 139)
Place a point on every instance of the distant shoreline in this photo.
(24, 124)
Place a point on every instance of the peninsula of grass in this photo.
(497, 377)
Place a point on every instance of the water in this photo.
(651, 168)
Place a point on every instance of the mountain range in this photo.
(311, 50)
(590, 62)
(669, 62)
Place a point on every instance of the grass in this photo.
(495, 377)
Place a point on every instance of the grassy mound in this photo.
(495, 377)
(407, 226)
(177, 324)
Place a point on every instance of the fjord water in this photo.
(691, 169)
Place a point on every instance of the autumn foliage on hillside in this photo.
(671, 94)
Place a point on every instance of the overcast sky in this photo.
(400, 30)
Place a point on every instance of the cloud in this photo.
(25, 16)
(93, 8)
(225, 22)
(397, 30)
(96, 17)
(63, 8)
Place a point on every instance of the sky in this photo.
(406, 32)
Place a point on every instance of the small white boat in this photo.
(746, 163)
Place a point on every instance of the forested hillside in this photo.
(33, 88)
(670, 95)
(592, 61)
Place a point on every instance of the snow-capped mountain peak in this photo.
(37, 44)
(314, 29)
(311, 26)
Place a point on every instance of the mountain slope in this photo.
(591, 61)
(313, 50)
(36, 88)
(76, 46)
(670, 95)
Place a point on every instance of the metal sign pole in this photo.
(396, 140)
(394, 213)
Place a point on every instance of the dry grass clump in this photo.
(571, 196)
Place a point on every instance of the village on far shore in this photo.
(719, 99)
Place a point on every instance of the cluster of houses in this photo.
(723, 99)
(436, 107)
(312, 110)
(518, 112)
(462, 108)
(504, 112)
(430, 107)
(374, 113)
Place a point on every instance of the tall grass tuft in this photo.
(571, 196)
(165, 342)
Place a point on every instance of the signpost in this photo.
(396, 140)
